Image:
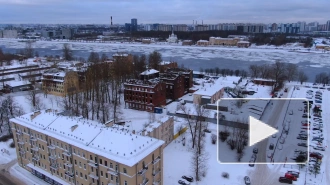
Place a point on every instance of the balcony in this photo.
(113, 172)
(33, 138)
(21, 151)
(156, 160)
(154, 173)
(52, 157)
(92, 163)
(142, 171)
(91, 175)
(156, 182)
(20, 142)
(18, 132)
(51, 147)
(145, 181)
(68, 165)
(69, 173)
(35, 148)
(66, 153)
(36, 158)
(54, 166)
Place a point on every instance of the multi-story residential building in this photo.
(144, 94)
(180, 27)
(134, 24)
(59, 82)
(165, 65)
(70, 150)
(328, 25)
(162, 129)
(175, 88)
(164, 27)
(201, 28)
(8, 34)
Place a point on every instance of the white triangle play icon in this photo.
(259, 131)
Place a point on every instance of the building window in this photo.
(100, 161)
(80, 164)
(125, 171)
(101, 173)
(106, 175)
(111, 165)
(105, 163)
(75, 162)
(86, 177)
(111, 177)
(125, 183)
(81, 175)
(85, 166)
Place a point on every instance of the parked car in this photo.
(294, 173)
(316, 155)
(285, 180)
(290, 112)
(319, 148)
(302, 144)
(183, 182)
(302, 137)
(306, 116)
(188, 178)
(290, 176)
(251, 163)
(247, 180)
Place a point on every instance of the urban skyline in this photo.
(174, 12)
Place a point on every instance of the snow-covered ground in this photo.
(4, 156)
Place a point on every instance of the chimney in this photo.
(35, 114)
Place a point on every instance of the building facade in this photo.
(8, 34)
(162, 130)
(187, 73)
(60, 83)
(62, 150)
(175, 88)
(134, 24)
(144, 94)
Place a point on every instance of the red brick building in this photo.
(174, 85)
(187, 73)
(164, 65)
(144, 94)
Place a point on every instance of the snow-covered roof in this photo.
(55, 72)
(243, 42)
(17, 83)
(212, 88)
(149, 72)
(123, 147)
(120, 55)
(202, 41)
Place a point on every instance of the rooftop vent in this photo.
(73, 127)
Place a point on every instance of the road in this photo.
(5, 177)
(263, 175)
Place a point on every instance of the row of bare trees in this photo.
(224, 72)
(279, 72)
(195, 118)
(101, 87)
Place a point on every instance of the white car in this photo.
(319, 148)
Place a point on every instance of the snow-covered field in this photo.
(252, 54)
(4, 156)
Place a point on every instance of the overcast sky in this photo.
(163, 11)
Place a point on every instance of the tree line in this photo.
(279, 39)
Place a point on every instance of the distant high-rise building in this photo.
(134, 24)
(128, 27)
(328, 25)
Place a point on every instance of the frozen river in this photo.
(190, 56)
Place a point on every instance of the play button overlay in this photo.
(259, 131)
(253, 131)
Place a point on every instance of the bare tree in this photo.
(278, 73)
(199, 162)
(155, 58)
(34, 99)
(67, 52)
(254, 71)
(28, 50)
(322, 78)
(302, 77)
(195, 120)
(292, 72)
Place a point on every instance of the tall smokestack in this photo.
(111, 20)
(202, 22)
(193, 22)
